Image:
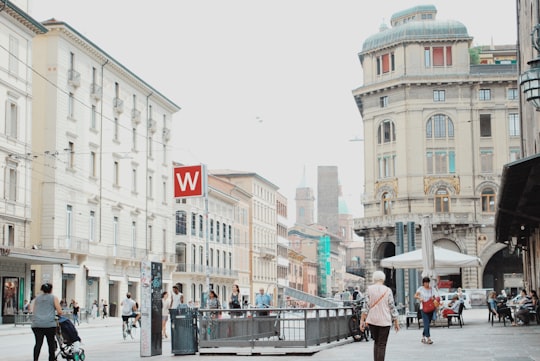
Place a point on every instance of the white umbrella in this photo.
(443, 259)
(428, 257)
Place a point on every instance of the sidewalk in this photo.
(476, 341)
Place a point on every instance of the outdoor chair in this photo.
(491, 316)
(458, 316)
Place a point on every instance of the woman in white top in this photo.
(423, 294)
(378, 312)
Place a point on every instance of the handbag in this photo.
(429, 305)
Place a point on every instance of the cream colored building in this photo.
(262, 230)
(17, 159)
(102, 182)
(437, 130)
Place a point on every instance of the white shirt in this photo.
(175, 299)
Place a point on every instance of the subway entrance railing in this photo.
(280, 327)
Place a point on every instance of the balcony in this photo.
(96, 92)
(118, 105)
(135, 116)
(74, 78)
(266, 252)
(74, 245)
(166, 135)
(152, 125)
(127, 252)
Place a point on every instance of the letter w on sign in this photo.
(188, 181)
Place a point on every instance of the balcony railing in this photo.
(127, 252)
(73, 244)
(201, 269)
(135, 116)
(118, 105)
(436, 219)
(96, 91)
(74, 78)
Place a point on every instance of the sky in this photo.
(263, 86)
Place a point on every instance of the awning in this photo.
(134, 279)
(117, 278)
(32, 256)
(70, 269)
(518, 208)
(95, 271)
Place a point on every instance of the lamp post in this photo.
(530, 79)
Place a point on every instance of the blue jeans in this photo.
(426, 319)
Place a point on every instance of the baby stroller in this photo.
(68, 340)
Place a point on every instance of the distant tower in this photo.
(328, 198)
(305, 203)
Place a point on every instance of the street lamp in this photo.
(530, 79)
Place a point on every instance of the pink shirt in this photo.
(382, 313)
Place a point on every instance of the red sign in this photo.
(188, 181)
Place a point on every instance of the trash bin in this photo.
(184, 331)
(112, 310)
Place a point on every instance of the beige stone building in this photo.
(438, 128)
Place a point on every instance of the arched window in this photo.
(386, 132)
(442, 201)
(439, 126)
(488, 200)
(387, 203)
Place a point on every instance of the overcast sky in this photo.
(264, 86)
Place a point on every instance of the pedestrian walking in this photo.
(76, 310)
(94, 309)
(104, 308)
(43, 308)
(428, 297)
(234, 301)
(379, 312)
(164, 313)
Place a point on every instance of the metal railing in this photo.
(279, 327)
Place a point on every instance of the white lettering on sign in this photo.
(189, 181)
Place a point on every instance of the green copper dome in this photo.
(417, 30)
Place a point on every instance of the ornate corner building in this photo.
(440, 119)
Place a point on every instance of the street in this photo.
(476, 341)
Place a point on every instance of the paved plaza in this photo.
(476, 341)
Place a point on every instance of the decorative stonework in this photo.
(432, 183)
(390, 186)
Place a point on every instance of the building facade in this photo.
(438, 128)
(102, 184)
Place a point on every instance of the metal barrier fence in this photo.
(282, 327)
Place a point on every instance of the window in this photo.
(150, 141)
(439, 126)
(201, 225)
(13, 55)
(93, 117)
(92, 227)
(150, 187)
(392, 62)
(437, 56)
(486, 160)
(513, 125)
(378, 66)
(164, 200)
(217, 231)
(164, 147)
(386, 132)
(387, 203)
(115, 233)
(488, 200)
(181, 226)
(484, 94)
(385, 63)
(512, 94)
(116, 126)
(10, 191)
(134, 180)
(387, 166)
(71, 105)
(150, 235)
(134, 139)
(133, 237)
(485, 125)
(442, 201)
(440, 161)
(515, 154)
(69, 222)
(211, 229)
(116, 173)
(71, 155)
(224, 233)
(11, 119)
(193, 224)
(93, 164)
(9, 237)
(383, 101)
(439, 96)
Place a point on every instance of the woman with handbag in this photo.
(378, 312)
(429, 301)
